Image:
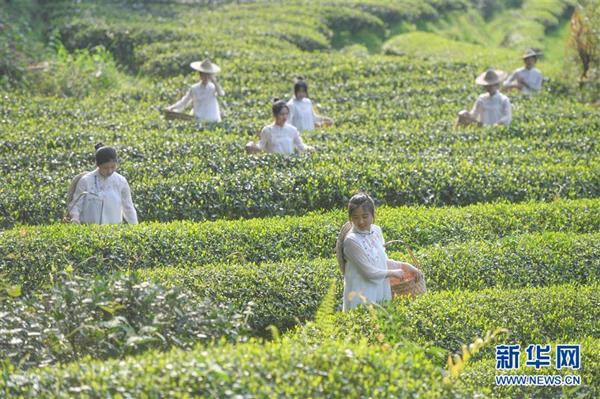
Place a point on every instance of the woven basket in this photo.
(411, 284)
(171, 115)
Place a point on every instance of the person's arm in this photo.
(476, 113)
(76, 204)
(183, 103)
(355, 254)
(298, 143)
(218, 89)
(129, 212)
(506, 113)
(511, 81)
(265, 136)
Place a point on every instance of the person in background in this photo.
(279, 137)
(203, 95)
(361, 256)
(302, 114)
(490, 108)
(102, 196)
(528, 79)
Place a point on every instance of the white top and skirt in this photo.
(302, 115)
(366, 270)
(204, 101)
(102, 200)
(490, 110)
(281, 140)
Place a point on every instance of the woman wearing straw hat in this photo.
(203, 95)
(528, 79)
(360, 251)
(491, 108)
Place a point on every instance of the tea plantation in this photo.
(229, 286)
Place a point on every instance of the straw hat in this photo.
(530, 53)
(491, 77)
(205, 66)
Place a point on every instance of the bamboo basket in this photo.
(411, 284)
(171, 115)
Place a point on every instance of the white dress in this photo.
(204, 100)
(366, 270)
(533, 77)
(280, 140)
(102, 200)
(302, 115)
(490, 110)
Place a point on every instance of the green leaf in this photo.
(14, 291)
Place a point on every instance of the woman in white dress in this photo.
(490, 108)
(203, 95)
(362, 257)
(302, 114)
(279, 137)
(102, 196)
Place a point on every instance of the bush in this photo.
(275, 369)
(109, 317)
(289, 292)
(100, 248)
(452, 318)
(80, 74)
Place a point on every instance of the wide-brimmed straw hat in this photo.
(530, 53)
(205, 66)
(491, 77)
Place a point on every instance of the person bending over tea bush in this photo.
(279, 137)
(302, 114)
(203, 95)
(491, 108)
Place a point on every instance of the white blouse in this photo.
(366, 270)
(302, 115)
(491, 110)
(533, 77)
(102, 200)
(204, 101)
(280, 140)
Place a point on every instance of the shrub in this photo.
(275, 369)
(100, 248)
(106, 317)
(452, 318)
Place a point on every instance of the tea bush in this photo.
(451, 318)
(287, 292)
(271, 369)
(102, 317)
(439, 235)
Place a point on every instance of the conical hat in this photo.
(530, 53)
(205, 66)
(491, 77)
